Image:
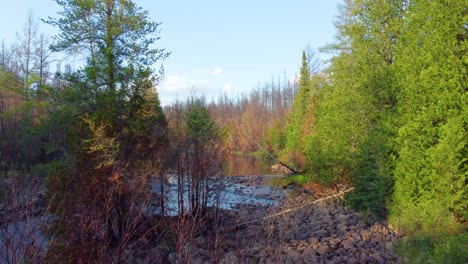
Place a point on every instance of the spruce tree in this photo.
(294, 130)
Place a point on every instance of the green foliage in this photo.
(112, 34)
(300, 106)
(23, 127)
(57, 182)
(430, 172)
(354, 128)
(298, 180)
(370, 182)
(275, 138)
(103, 148)
(110, 116)
(450, 249)
(200, 127)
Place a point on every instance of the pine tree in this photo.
(113, 119)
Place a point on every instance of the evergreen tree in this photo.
(203, 147)
(431, 168)
(300, 109)
(111, 113)
(354, 130)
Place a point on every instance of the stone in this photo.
(323, 249)
(197, 260)
(255, 250)
(361, 244)
(341, 217)
(347, 244)
(313, 240)
(343, 227)
(376, 258)
(366, 234)
(309, 252)
(301, 235)
(388, 246)
(230, 257)
(322, 233)
(290, 252)
(263, 254)
(172, 257)
(363, 256)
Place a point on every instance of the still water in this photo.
(247, 181)
(236, 165)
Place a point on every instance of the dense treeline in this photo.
(390, 116)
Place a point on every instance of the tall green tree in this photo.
(294, 130)
(431, 168)
(111, 113)
(113, 35)
(353, 132)
(203, 138)
(300, 106)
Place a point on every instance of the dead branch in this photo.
(340, 194)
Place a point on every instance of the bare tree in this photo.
(42, 57)
(25, 51)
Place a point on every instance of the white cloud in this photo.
(202, 71)
(294, 79)
(173, 84)
(215, 71)
(177, 87)
(227, 87)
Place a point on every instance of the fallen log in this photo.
(340, 194)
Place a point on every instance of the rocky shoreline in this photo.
(315, 234)
(327, 232)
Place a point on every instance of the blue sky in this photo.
(216, 45)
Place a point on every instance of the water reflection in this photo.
(237, 164)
